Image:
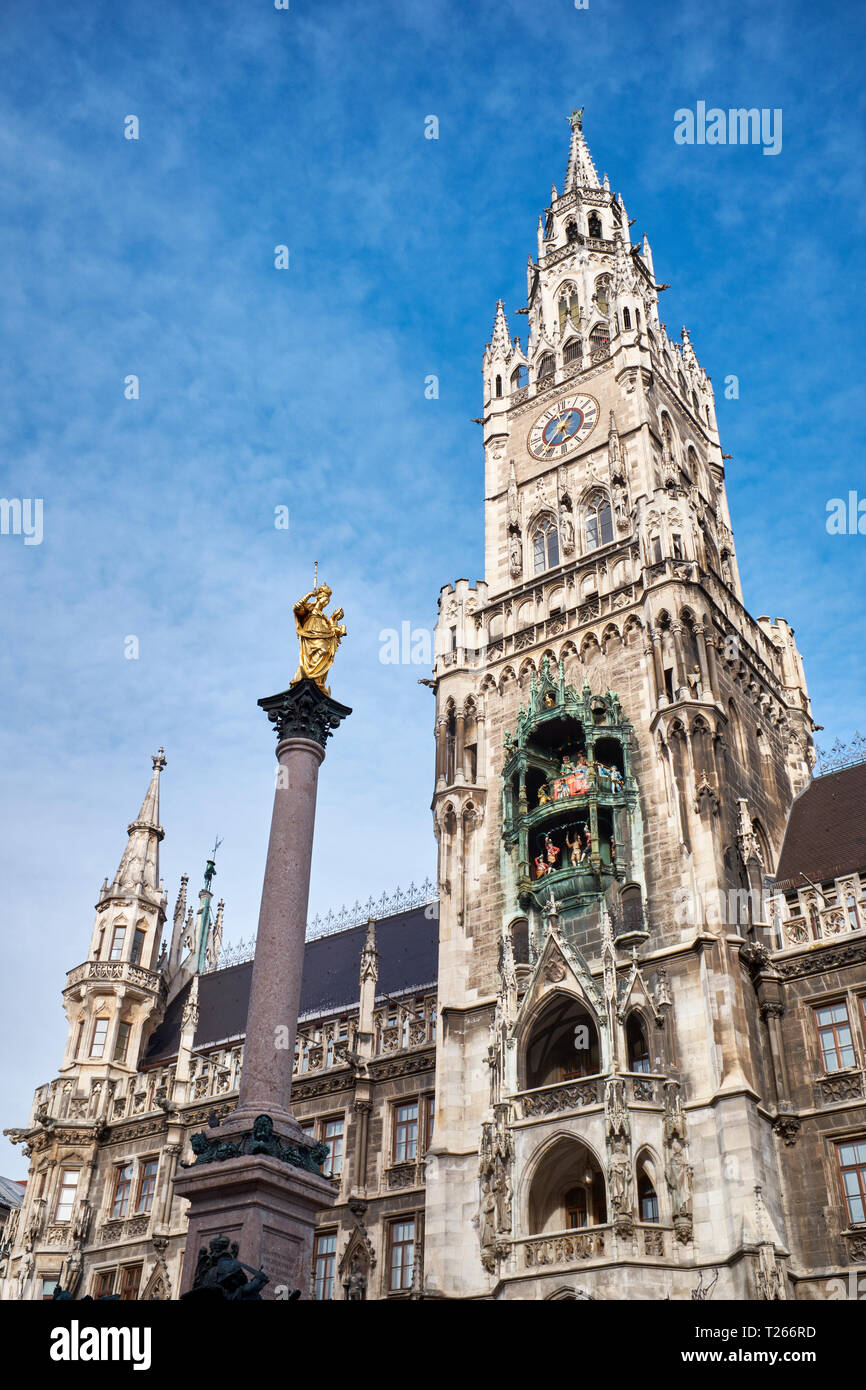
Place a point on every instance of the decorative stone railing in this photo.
(395, 1029)
(118, 971)
(565, 1248)
(403, 1175)
(827, 924)
(125, 1228)
(838, 1086)
(855, 1244)
(560, 1097)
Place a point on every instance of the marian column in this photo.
(256, 1178)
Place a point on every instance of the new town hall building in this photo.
(620, 1052)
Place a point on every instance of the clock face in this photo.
(563, 426)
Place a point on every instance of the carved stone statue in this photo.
(619, 1175)
(319, 636)
(515, 556)
(356, 1284)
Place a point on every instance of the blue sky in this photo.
(305, 388)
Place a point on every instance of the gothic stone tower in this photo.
(617, 745)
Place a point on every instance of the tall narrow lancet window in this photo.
(569, 308)
(599, 342)
(546, 367)
(638, 1047)
(626, 319)
(593, 225)
(545, 546)
(599, 522)
(647, 1197)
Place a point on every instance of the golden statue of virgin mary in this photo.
(319, 636)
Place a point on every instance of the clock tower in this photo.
(618, 743)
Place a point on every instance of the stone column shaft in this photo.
(269, 1049)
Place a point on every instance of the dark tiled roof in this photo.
(11, 1192)
(408, 953)
(826, 832)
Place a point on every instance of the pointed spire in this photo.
(647, 255)
(176, 953)
(500, 343)
(139, 866)
(581, 171)
(688, 350)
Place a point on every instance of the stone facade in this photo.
(634, 1038)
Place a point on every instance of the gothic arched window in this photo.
(601, 294)
(571, 232)
(593, 224)
(499, 385)
(638, 1047)
(647, 1198)
(545, 546)
(519, 378)
(546, 366)
(568, 307)
(626, 319)
(573, 351)
(599, 521)
(599, 342)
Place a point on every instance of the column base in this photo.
(267, 1206)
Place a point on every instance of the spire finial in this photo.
(575, 120)
(158, 760)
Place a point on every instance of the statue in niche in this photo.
(541, 866)
(693, 681)
(543, 795)
(356, 1284)
(567, 534)
(552, 851)
(515, 557)
(619, 1175)
(575, 845)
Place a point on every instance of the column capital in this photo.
(304, 711)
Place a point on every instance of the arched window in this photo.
(569, 307)
(520, 941)
(648, 1201)
(599, 342)
(599, 522)
(637, 317)
(601, 294)
(626, 319)
(593, 224)
(563, 1045)
(571, 232)
(499, 386)
(519, 378)
(573, 351)
(637, 1045)
(545, 546)
(567, 1190)
(546, 366)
